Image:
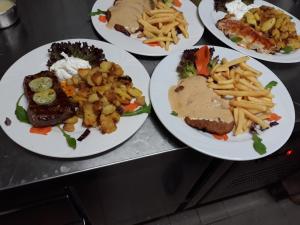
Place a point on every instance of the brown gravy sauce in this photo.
(196, 101)
(127, 13)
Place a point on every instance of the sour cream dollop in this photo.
(238, 8)
(67, 67)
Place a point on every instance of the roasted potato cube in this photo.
(69, 127)
(97, 106)
(267, 25)
(83, 73)
(117, 70)
(89, 116)
(89, 80)
(115, 116)
(140, 100)
(250, 19)
(105, 66)
(134, 92)
(71, 120)
(107, 125)
(108, 109)
(93, 98)
(97, 78)
(83, 92)
(122, 93)
(76, 79)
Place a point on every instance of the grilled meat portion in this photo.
(251, 39)
(213, 127)
(47, 115)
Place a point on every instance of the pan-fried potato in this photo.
(101, 92)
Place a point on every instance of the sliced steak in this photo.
(47, 115)
(214, 127)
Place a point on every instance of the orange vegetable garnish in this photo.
(177, 3)
(130, 107)
(153, 44)
(102, 18)
(202, 59)
(68, 89)
(221, 137)
(40, 130)
(274, 117)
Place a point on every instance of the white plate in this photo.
(210, 17)
(54, 143)
(135, 45)
(235, 148)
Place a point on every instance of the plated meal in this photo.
(221, 103)
(147, 27)
(78, 93)
(254, 27)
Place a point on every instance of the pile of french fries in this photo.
(250, 101)
(161, 25)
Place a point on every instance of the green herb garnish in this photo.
(144, 109)
(259, 147)
(271, 84)
(173, 113)
(236, 39)
(98, 12)
(70, 140)
(287, 49)
(20, 112)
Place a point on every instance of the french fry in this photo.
(236, 61)
(226, 81)
(221, 87)
(248, 105)
(155, 39)
(174, 36)
(162, 20)
(255, 119)
(248, 84)
(243, 93)
(245, 66)
(156, 11)
(183, 30)
(149, 27)
(240, 123)
(168, 42)
(261, 101)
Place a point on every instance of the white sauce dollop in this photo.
(67, 67)
(238, 8)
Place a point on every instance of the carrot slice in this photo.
(130, 107)
(274, 117)
(221, 137)
(68, 89)
(177, 3)
(202, 59)
(40, 130)
(102, 18)
(153, 44)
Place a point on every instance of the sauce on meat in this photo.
(196, 101)
(127, 13)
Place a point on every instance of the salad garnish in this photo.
(143, 109)
(70, 140)
(20, 112)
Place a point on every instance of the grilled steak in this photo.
(47, 115)
(214, 127)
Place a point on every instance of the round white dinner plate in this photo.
(135, 45)
(210, 17)
(235, 148)
(54, 144)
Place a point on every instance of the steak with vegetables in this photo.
(48, 105)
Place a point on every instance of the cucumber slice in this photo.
(40, 84)
(45, 97)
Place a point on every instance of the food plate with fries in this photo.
(271, 33)
(54, 144)
(256, 96)
(162, 29)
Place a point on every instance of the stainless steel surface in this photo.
(8, 17)
(50, 20)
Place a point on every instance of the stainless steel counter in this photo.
(45, 21)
